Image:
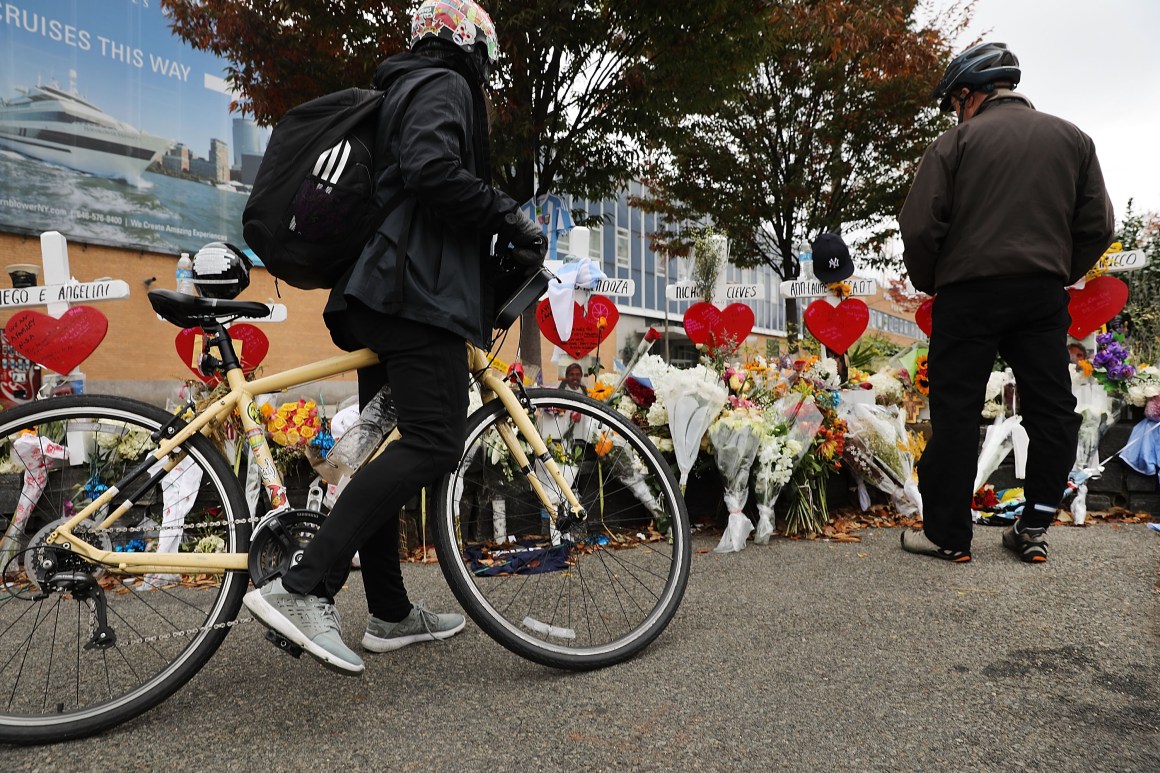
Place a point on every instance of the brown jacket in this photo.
(1011, 191)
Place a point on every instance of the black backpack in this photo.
(312, 207)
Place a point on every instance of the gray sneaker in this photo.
(420, 624)
(308, 621)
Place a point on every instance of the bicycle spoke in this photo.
(604, 587)
(81, 648)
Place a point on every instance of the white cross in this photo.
(60, 289)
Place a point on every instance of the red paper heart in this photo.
(587, 332)
(1100, 300)
(838, 327)
(57, 344)
(250, 343)
(722, 330)
(924, 314)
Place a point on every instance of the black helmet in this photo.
(976, 68)
(221, 271)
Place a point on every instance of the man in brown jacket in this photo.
(1006, 210)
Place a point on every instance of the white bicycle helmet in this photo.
(462, 22)
(221, 271)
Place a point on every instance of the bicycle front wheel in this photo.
(85, 646)
(579, 595)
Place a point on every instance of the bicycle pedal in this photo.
(284, 644)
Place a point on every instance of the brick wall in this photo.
(138, 358)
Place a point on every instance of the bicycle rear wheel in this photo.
(590, 594)
(84, 646)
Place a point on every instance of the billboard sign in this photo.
(114, 131)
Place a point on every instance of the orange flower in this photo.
(602, 323)
(603, 445)
(1085, 367)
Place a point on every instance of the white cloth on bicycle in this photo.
(178, 492)
(584, 274)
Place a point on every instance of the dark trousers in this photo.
(1024, 320)
(427, 370)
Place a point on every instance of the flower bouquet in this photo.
(799, 413)
(293, 425)
(876, 451)
(735, 437)
(692, 398)
(781, 447)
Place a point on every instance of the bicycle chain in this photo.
(172, 634)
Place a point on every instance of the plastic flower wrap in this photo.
(1098, 411)
(736, 435)
(294, 425)
(1003, 437)
(37, 454)
(807, 421)
(997, 383)
(877, 451)
(692, 398)
(784, 442)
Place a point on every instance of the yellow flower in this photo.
(279, 438)
(307, 432)
(279, 422)
(600, 391)
(293, 438)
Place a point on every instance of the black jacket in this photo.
(1010, 191)
(427, 138)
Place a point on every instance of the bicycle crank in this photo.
(278, 543)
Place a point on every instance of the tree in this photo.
(580, 85)
(824, 135)
(1141, 231)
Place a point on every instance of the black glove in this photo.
(530, 246)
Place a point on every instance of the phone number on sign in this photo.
(100, 217)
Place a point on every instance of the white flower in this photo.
(887, 389)
(991, 409)
(658, 415)
(1144, 385)
(626, 407)
(651, 367)
(663, 444)
(824, 372)
(211, 543)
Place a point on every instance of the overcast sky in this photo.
(1095, 63)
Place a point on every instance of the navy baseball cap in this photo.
(832, 262)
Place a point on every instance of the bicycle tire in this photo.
(51, 687)
(613, 583)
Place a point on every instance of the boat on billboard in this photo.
(61, 127)
(115, 131)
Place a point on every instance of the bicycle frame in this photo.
(241, 399)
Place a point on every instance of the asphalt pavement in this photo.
(798, 655)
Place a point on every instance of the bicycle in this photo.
(570, 548)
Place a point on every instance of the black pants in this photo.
(1025, 320)
(427, 370)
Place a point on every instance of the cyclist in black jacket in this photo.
(414, 296)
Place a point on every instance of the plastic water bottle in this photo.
(185, 275)
(376, 420)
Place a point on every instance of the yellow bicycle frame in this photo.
(241, 399)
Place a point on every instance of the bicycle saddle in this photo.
(186, 310)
